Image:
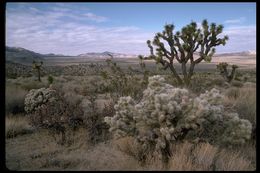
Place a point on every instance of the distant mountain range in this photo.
(21, 55)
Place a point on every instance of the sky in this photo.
(76, 28)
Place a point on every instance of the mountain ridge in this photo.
(19, 54)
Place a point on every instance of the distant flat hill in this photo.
(244, 53)
(107, 54)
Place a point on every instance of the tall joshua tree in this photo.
(182, 46)
(38, 66)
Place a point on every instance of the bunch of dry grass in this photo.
(188, 156)
(16, 125)
(232, 161)
(14, 99)
(243, 100)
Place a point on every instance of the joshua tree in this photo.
(38, 68)
(222, 67)
(182, 46)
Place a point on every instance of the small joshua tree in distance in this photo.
(222, 67)
(38, 66)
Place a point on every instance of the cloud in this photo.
(52, 32)
(94, 17)
(241, 38)
(63, 30)
(235, 21)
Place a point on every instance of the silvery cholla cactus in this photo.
(36, 97)
(237, 130)
(167, 114)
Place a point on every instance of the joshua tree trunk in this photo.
(175, 74)
(232, 75)
(39, 75)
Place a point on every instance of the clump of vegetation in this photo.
(38, 66)
(50, 79)
(183, 45)
(167, 114)
(47, 109)
(96, 128)
(222, 67)
(119, 83)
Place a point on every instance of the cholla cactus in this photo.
(46, 108)
(237, 130)
(166, 114)
(36, 97)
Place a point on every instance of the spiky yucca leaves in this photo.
(182, 46)
(166, 114)
(222, 67)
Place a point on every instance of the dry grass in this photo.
(16, 125)
(181, 160)
(243, 100)
(39, 151)
(205, 157)
(14, 99)
(232, 161)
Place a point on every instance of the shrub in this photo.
(166, 114)
(97, 129)
(120, 83)
(50, 79)
(47, 108)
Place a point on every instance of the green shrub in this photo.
(50, 79)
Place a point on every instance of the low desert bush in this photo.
(14, 99)
(97, 129)
(120, 83)
(236, 83)
(167, 114)
(47, 108)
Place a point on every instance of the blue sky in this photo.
(74, 28)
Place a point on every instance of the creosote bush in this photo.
(167, 114)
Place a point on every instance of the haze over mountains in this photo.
(21, 55)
